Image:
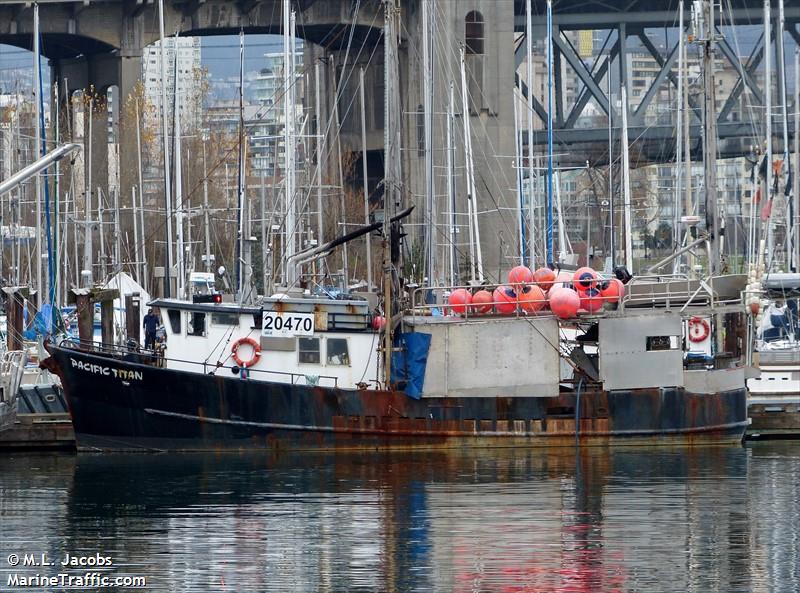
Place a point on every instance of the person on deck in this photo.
(150, 325)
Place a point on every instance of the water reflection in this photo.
(511, 521)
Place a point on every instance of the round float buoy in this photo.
(505, 299)
(591, 300)
(611, 290)
(544, 278)
(253, 343)
(459, 300)
(378, 322)
(563, 280)
(520, 275)
(585, 278)
(531, 299)
(564, 302)
(482, 302)
(699, 330)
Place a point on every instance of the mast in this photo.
(518, 169)
(206, 225)
(139, 260)
(165, 149)
(794, 202)
(87, 240)
(529, 59)
(768, 108)
(427, 72)
(180, 255)
(392, 173)
(288, 136)
(611, 245)
(476, 256)
(451, 194)
(688, 206)
(714, 223)
(318, 148)
(549, 258)
(626, 183)
(364, 174)
(38, 145)
(785, 114)
(676, 215)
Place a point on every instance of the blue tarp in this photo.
(408, 364)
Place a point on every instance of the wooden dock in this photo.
(39, 431)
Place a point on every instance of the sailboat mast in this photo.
(794, 202)
(451, 194)
(714, 224)
(549, 255)
(288, 135)
(612, 255)
(165, 150)
(679, 173)
(768, 133)
(430, 211)
(87, 239)
(179, 213)
(241, 214)
(38, 144)
(364, 175)
(476, 256)
(531, 201)
(626, 184)
(139, 248)
(785, 117)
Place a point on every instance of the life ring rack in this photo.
(699, 330)
(254, 344)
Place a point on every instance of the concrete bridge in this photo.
(99, 43)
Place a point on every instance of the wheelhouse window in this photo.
(337, 352)
(226, 319)
(196, 324)
(174, 320)
(308, 350)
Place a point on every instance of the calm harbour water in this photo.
(651, 520)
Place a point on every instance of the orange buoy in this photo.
(544, 278)
(505, 299)
(584, 278)
(563, 280)
(520, 275)
(531, 298)
(611, 290)
(755, 306)
(482, 302)
(564, 302)
(459, 300)
(591, 300)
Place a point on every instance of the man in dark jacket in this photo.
(150, 325)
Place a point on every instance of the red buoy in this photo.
(459, 300)
(585, 278)
(611, 290)
(544, 278)
(564, 302)
(378, 322)
(520, 275)
(591, 300)
(563, 280)
(505, 299)
(482, 302)
(531, 299)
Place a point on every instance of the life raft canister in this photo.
(699, 330)
(253, 343)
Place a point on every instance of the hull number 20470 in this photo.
(287, 324)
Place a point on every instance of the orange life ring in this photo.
(253, 343)
(699, 329)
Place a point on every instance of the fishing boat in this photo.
(555, 358)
